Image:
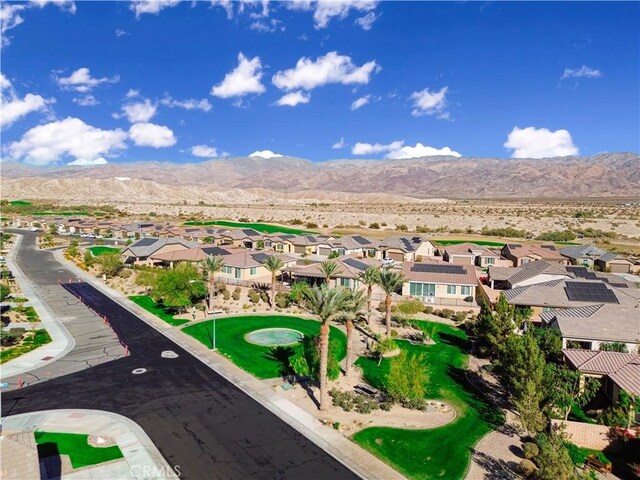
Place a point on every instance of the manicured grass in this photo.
(76, 446)
(30, 313)
(19, 203)
(157, 309)
(442, 452)
(31, 342)
(579, 454)
(477, 242)
(260, 361)
(62, 214)
(101, 250)
(260, 227)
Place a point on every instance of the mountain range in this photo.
(252, 179)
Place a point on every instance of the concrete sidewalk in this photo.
(348, 453)
(142, 460)
(61, 340)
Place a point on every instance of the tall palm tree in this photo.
(211, 266)
(369, 277)
(353, 310)
(326, 304)
(390, 282)
(329, 268)
(274, 265)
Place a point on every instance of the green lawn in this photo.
(76, 446)
(19, 203)
(442, 452)
(260, 361)
(157, 309)
(477, 242)
(39, 338)
(101, 250)
(260, 227)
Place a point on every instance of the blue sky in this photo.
(95, 82)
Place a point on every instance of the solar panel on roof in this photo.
(407, 244)
(215, 251)
(549, 247)
(287, 236)
(260, 257)
(438, 268)
(589, 292)
(619, 285)
(312, 238)
(352, 262)
(145, 242)
(361, 240)
(514, 245)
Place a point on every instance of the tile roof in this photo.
(147, 246)
(582, 251)
(470, 249)
(622, 368)
(544, 252)
(437, 272)
(533, 269)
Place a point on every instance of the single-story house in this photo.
(350, 244)
(472, 254)
(349, 268)
(582, 254)
(519, 254)
(440, 282)
(539, 271)
(406, 249)
(192, 255)
(614, 263)
(248, 266)
(139, 252)
(617, 371)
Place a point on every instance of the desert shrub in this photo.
(400, 320)
(447, 313)
(10, 337)
(311, 225)
(437, 313)
(414, 403)
(394, 332)
(126, 273)
(386, 406)
(5, 291)
(374, 226)
(527, 468)
(246, 306)
(402, 227)
(226, 295)
(530, 450)
(428, 309)
(235, 295)
(264, 296)
(364, 405)
(254, 297)
(282, 300)
(341, 399)
(460, 316)
(221, 287)
(410, 307)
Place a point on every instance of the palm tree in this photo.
(390, 282)
(353, 309)
(274, 265)
(369, 277)
(329, 268)
(327, 304)
(211, 266)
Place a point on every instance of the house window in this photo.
(422, 289)
(465, 290)
(490, 260)
(228, 269)
(345, 282)
(278, 247)
(238, 273)
(452, 289)
(252, 271)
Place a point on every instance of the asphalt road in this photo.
(196, 418)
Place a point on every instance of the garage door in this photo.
(299, 249)
(324, 251)
(461, 260)
(398, 257)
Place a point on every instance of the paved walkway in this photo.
(141, 458)
(80, 338)
(358, 460)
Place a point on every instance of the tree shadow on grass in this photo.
(461, 344)
(281, 355)
(476, 398)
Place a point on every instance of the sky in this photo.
(87, 83)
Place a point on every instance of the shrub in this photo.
(400, 320)
(311, 225)
(460, 316)
(5, 291)
(126, 273)
(235, 295)
(336, 425)
(386, 406)
(374, 226)
(410, 307)
(246, 306)
(428, 309)
(254, 297)
(226, 295)
(282, 300)
(527, 468)
(447, 313)
(613, 417)
(530, 450)
(414, 403)
(340, 399)
(437, 313)
(221, 287)
(394, 333)
(402, 227)
(364, 405)
(264, 296)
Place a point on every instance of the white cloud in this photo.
(265, 154)
(583, 71)
(325, 10)
(534, 142)
(47, 143)
(294, 98)
(81, 81)
(369, 148)
(12, 107)
(339, 144)
(226, 4)
(332, 68)
(83, 162)
(151, 6)
(10, 18)
(151, 135)
(426, 102)
(138, 112)
(267, 25)
(132, 93)
(242, 80)
(86, 101)
(120, 32)
(206, 151)
(367, 21)
(360, 102)
(421, 150)
(65, 5)
(188, 104)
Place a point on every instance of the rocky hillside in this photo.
(257, 179)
